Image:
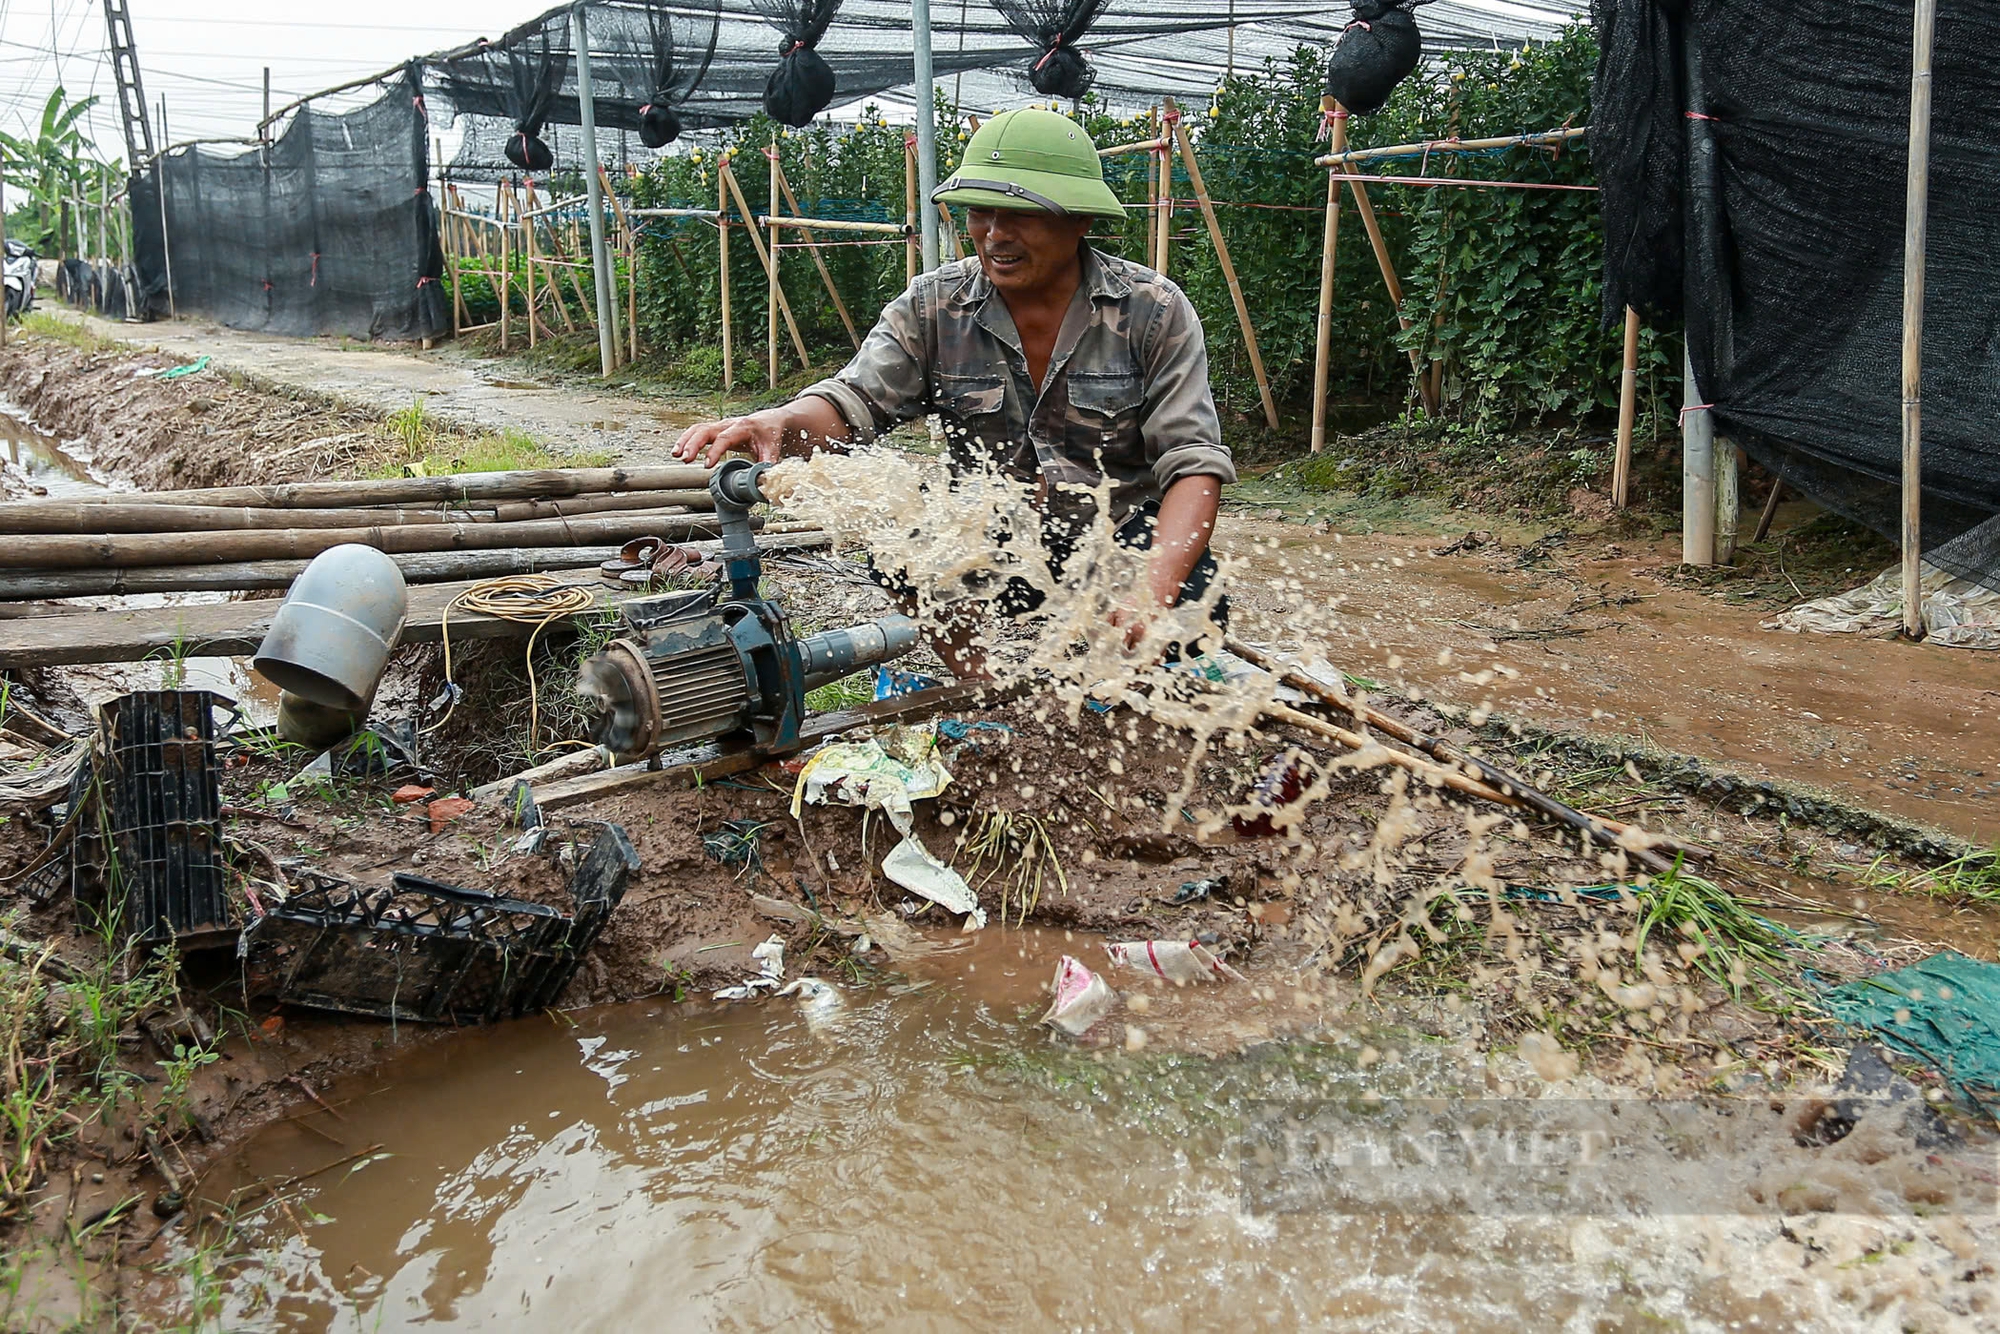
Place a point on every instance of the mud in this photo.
(1602, 645)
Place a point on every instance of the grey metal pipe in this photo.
(832, 654)
(330, 641)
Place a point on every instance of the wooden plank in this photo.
(232, 629)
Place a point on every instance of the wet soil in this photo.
(1596, 641)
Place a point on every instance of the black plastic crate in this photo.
(148, 845)
(420, 950)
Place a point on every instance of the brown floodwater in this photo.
(915, 1154)
(63, 469)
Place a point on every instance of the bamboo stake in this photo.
(845, 225)
(1916, 224)
(632, 290)
(1366, 208)
(1542, 139)
(1498, 785)
(812, 248)
(1770, 510)
(1152, 205)
(1329, 242)
(722, 253)
(528, 240)
(128, 515)
(1166, 210)
(506, 277)
(1228, 269)
(764, 258)
(1628, 409)
(771, 267)
(611, 276)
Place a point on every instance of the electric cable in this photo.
(526, 599)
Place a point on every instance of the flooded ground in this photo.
(915, 1154)
(40, 464)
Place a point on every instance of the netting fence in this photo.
(1752, 163)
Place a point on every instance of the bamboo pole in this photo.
(812, 248)
(1540, 139)
(611, 269)
(1228, 270)
(528, 243)
(1697, 474)
(1494, 784)
(1365, 206)
(456, 488)
(1916, 225)
(1136, 146)
(764, 258)
(1770, 510)
(722, 254)
(1628, 410)
(1329, 242)
(91, 550)
(1152, 205)
(1166, 210)
(506, 277)
(771, 267)
(71, 517)
(844, 225)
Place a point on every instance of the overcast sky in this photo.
(208, 56)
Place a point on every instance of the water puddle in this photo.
(47, 467)
(912, 1153)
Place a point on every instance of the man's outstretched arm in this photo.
(796, 428)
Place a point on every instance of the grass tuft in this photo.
(58, 328)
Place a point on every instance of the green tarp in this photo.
(1944, 1011)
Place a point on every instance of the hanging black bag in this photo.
(1377, 51)
(803, 84)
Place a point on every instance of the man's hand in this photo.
(798, 427)
(756, 435)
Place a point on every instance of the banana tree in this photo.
(51, 166)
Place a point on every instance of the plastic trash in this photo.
(1082, 998)
(770, 957)
(1176, 960)
(885, 773)
(911, 865)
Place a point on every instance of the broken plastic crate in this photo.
(428, 952)
(148, 849)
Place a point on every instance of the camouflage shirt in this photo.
(1126, 395)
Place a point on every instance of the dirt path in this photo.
(1602, 644)
(488, 393)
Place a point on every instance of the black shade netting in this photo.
(1139, 51)
(338, 234)
(1376, 51)
(1055, 27)
(1791, 176)
(648, 54)
(803, 84)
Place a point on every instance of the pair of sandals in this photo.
(646, 564)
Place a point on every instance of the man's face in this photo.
(1024, 251)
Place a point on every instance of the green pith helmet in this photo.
(1030, 159)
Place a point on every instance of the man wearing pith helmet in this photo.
(1048, 360)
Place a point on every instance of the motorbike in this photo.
(19, 268)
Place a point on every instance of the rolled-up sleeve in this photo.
(888, 381)
(1183, 435)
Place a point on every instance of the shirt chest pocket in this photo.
(971, 400)
(1104, 413)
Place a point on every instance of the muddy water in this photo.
(915, 1155)
(59, 469)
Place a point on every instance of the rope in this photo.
(526, 599)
